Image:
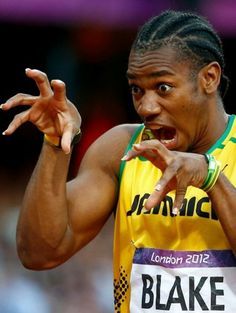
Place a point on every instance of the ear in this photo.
(210, 76)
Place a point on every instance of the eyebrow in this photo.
(153, 74)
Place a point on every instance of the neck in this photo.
(215, 126)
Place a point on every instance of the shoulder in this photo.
(115, 140)
(118, 137)
(121, 133)
(110, 147)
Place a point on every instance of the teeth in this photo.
(167, 140)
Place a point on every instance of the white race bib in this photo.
(183, 281)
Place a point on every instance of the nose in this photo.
(149, 105)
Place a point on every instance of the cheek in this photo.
(135, 104)
(187, 109)
(185, 116)
(190, 105)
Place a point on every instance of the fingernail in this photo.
(144, 207)
(1, 106)
(136, 145)
(158, 187)
(67, 151)
(175, 211)
(3, 133)
(124, 158)
(27, 69)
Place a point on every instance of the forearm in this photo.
(223, 197)
(43, 220)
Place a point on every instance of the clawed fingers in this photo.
(153, 150)
(137, 149)
(179, 170)
(159, 194)
(179, 198)
(18, 100)
(41, 81)
(51, 112)
(18, 120)
(59, 89)
(44, 87)
(155, 198)
(131, 154)
(170, 180)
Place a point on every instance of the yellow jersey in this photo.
(167, 263)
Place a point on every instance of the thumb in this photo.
(66, 139)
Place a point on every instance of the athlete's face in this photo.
(168, 99)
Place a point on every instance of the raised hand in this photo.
(51, 112)
(179, 170)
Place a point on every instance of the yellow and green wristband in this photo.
(56, 141)
(213, 172)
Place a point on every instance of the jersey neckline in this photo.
(219, 143)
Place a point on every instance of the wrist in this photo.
(52, 140)
(55, 141)
(213, 172)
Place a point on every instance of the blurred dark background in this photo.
(86, 44)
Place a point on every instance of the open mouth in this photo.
(166, 135)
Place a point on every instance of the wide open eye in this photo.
(135, 90)
(164, 88)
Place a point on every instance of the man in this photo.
(173, 192)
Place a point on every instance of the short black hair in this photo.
(191, 35)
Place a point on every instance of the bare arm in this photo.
(58, 218)
(223, 197)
